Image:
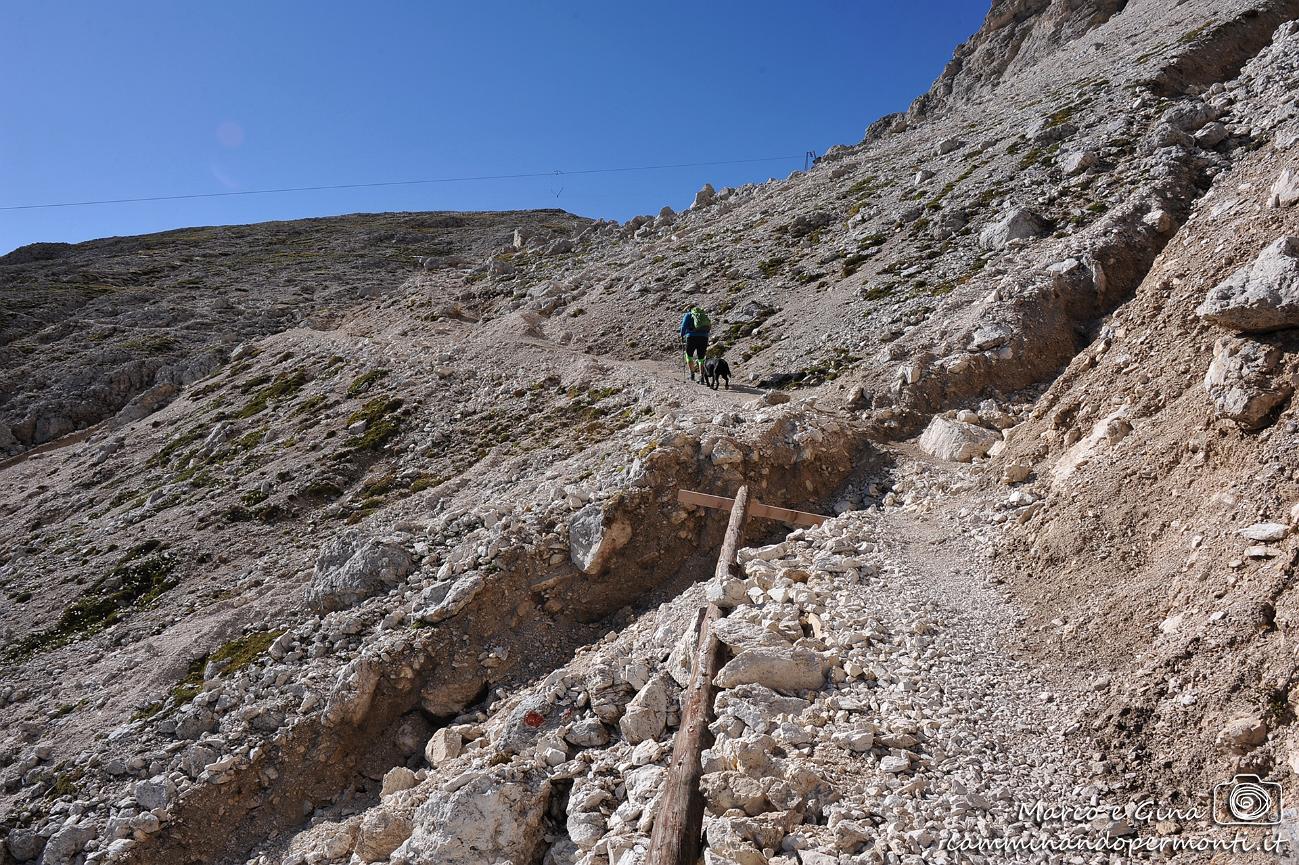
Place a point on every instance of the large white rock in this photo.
(588, 733)
(1285, 192)
(956, 441)
(1241, 381)
(380, 832)
(350, 567)
(726, 790)
(1265, 532)
(443, 745)
(779, 669)
(757, 706)
(1241, 734)
(67, 843)
(396, 780)
(1261, 296)
(740, 635)
(593, 537)
(484, 822)
(1077, 162)
(1017, 224)
(647, 713)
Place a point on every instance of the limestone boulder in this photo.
(957, 441)
(1015, 224)
(353, 566)
(594, 536)
(726, 790)
(66, 844)
(380, 832)
(1243, 382)
(1285, 192)
(741, 635)
(588, 733)
(485, 822)
(778, 669)
(442, 746)
(1261, 296)
(647, 713)
(1078, 161)
(1241, 734)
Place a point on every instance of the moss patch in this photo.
(382, 424)
(230, 658)
(138, 579)
(280, 388)
(365, 381)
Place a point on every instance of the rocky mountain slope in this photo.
(87, 329)
(357, 540)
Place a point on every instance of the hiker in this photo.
(694, 333)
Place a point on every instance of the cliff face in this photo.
(1016, 35)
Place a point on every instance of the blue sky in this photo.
(127, 99)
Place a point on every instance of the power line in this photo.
(286, 189)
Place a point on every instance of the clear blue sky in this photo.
(125, 99)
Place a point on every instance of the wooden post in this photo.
(678, 828)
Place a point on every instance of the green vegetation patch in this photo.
(280, 388)
(382, 424)
(365, 381)
(229, 659)
(138, 579)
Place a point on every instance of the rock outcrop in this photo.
(1260, 297)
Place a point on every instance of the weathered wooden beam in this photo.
(678, 828)
(757, 509)
(726, 559)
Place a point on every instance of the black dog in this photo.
(716, 369)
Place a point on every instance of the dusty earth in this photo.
(357, 539)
